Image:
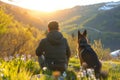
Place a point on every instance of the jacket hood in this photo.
(55, 37)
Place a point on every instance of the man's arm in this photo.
(40, 48)
(68, 52)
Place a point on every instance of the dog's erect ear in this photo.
(79, 34)
(85, 33)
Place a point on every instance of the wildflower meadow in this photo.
(27, 68)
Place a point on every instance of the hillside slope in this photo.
(109, 23)
(22, 15)
(106, 21)
(102, 25)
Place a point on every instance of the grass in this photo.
(21, 69)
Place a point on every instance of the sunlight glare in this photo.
(52, 5)
(41, 5)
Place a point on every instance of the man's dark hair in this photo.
(53, 25)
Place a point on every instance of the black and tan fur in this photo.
(88, 57)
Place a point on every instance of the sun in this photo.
(44, 5)
(47, 5)
(51, 5)
(41, 5)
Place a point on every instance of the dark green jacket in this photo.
(54, 46)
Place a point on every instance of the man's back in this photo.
(55, 49)
(55, 45)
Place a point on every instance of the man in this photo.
(54, 48)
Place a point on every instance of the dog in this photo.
(88, 57)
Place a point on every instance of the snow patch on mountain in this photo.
(109, 6)
(115, 53)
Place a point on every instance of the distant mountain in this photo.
(108, 22)
(101, 22)
(109, 6)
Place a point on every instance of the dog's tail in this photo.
(84, 65)
(104, 74)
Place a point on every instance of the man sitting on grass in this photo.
(54, 48)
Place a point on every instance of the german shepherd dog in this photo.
(88, 57)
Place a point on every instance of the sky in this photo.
(53, 5)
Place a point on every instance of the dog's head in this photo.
(82, 39)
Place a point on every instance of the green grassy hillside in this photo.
(103, 25)
(23, 15)
(17, 37)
